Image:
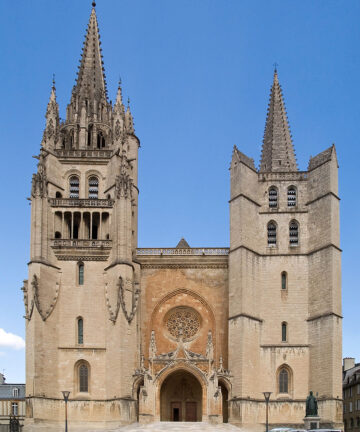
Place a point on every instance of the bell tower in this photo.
(82, 293)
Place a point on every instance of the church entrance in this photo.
(181, 398)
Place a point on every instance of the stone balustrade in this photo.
(77, 153)
(75, 202)
(80, 243)
(182, 251)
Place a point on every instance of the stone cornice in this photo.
(323, 196)
(244, 315)
(324, 315)
(241, 195)
(286, 254)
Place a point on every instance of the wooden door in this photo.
(175, 411)
(190, 415)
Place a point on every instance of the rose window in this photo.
(183, 322)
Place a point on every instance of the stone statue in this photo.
(311, 406)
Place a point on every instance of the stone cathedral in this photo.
(182, 333)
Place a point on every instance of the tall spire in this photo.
(91, 82)
(277, 152)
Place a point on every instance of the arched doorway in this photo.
(225, 397)
(181, 398)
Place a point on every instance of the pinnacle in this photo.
(277, 152)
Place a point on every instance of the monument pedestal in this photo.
(312, 422)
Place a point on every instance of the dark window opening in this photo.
(57, 234)
(58, 195)
(94, 234)
(76, 231)
(283, 332)
(80, 331)
(81, 274)
(283, 280)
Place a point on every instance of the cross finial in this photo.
(53, 82)
(93, 4)
(275, 67)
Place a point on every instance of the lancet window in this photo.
(294, 233)
(271, 234)
(273, 197)
(284, 334)
(74, 186)
(291, 196)
(283, 280)
(283, 381)
(80, 331)
(93, 187)
(83, 378)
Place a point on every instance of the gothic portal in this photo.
(182, 333)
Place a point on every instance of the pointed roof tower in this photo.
(277, 152)
(91, 80)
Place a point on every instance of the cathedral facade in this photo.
(182, 333)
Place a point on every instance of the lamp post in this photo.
(267, 398)
(66, 398)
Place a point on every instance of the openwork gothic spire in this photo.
(277, 152)
(91, 81)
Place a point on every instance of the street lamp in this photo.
(66, 398)
(267, 397)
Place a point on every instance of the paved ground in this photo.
(178, 427)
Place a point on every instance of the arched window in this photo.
(90, 131)
(58, 195)
(80, 331)
(15, 392)
(81, 273)
(271, 234)
(74, 184)
(273, 197)
(283, 280)
(83, 378)
(284, 335)
(283, 380)
(291, 196)
(93, 187)
(294, 233)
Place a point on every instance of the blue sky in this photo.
(198, 74)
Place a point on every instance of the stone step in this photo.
(178, 427)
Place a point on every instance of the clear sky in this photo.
(198, 74)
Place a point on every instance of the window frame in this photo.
(77, 196)
(292, 242)
(275, 200)
(80, 331)
(92, 177)
(270, 243)
(284, 332)
(289, 199)
(14, 412)
(284, 281)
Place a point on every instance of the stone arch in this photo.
(181, 370)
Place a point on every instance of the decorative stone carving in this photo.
(28, 310)
(183, 322)
(113, 314)
(135, 300)
(44, 314)
(123, 181)
(117, 130)
(210, 347)
(152, 346)
(39, 180)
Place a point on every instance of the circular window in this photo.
(183, 321)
